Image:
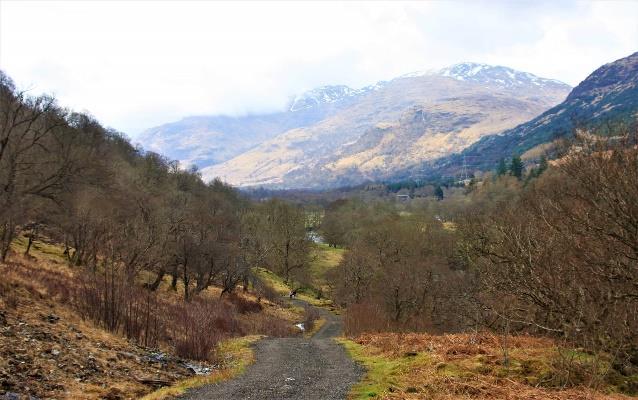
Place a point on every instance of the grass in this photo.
(39, 249)
(237, 350)
(27, 293)
(324, 259)
(272, 280)
(277, 283)
(462, 366)
(27, 288)
(384, 375)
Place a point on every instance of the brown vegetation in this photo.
(467, 366)
(552, 253)
(46, 301)
(127, 230)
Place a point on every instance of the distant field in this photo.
(323, 259)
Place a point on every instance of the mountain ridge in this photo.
(608, 94)
(320, 139)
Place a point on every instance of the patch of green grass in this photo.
(577, 355)
(382, 374)
(238, 350)
(324, 258)
(39, 249)
(274, 281)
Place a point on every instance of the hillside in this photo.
(337, 135)
(205, 141)
(608, 95)
(50, 349)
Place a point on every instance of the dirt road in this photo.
(292, 368)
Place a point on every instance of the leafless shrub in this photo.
(199, 326)
(365, 318)
(310, 316)
(119, 306)
(243, 305)
(264, 324)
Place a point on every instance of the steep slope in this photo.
(208, 140)
(392, 125)
(609, 94)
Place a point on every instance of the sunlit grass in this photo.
(464, 366)
(382, 374)
(39, 249)
(323, 259)
(277, 283)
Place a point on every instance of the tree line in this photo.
(552, 251)
(120, 210)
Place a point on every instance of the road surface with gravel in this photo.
(292, 368)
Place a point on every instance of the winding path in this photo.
(292, 368)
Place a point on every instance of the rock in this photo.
(126, 354)
(10, 396)
(3, 318)
(52, 318)
(197, 369)
(113, 394)
(158, 357)
(153, 381)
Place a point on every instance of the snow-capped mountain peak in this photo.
(495, 75)
(329, 94)
(322, 95)
(489, 75)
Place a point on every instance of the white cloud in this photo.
(139, 64)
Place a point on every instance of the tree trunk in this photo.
(186, 280)
(29, 243)
(160, 277)
(6, 237)
(174, 280)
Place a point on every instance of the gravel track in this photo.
(292, 368)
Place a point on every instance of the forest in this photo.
(546, 247)
(549, 249)
(127, 220)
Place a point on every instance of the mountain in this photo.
(209, 140)
(337, 135)
(609, 94)
(327, 94)
(392, 125)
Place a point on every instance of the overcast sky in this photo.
(135, 65)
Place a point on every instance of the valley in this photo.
(467, 232)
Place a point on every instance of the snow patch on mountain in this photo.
(329, 94)
(496, 75)
(484, 74)
(489, 75)
(322, 95)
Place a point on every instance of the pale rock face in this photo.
(336, 135)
